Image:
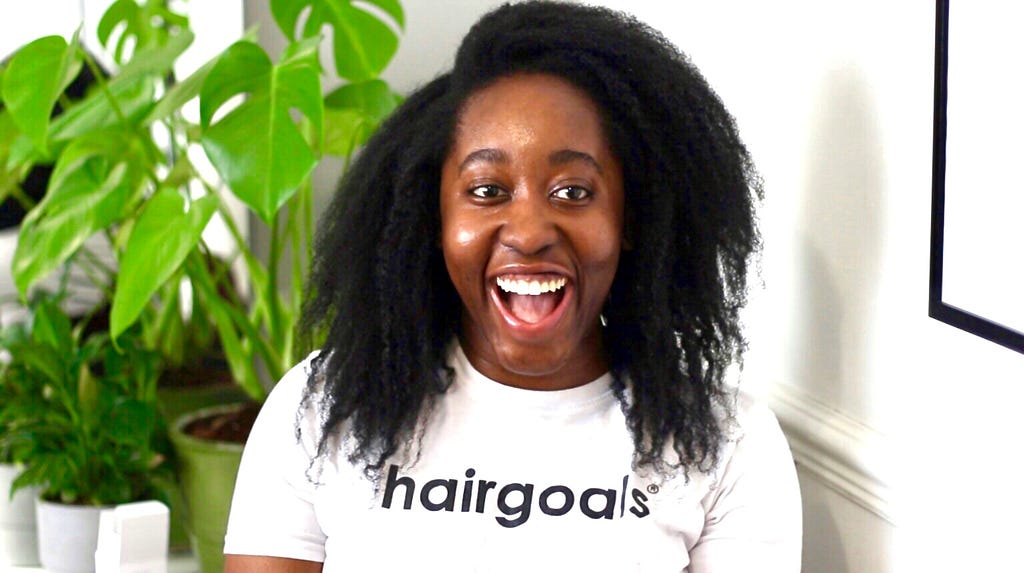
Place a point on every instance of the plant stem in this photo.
(22, 198)
(104, 86)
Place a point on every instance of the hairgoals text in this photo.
(515, 502)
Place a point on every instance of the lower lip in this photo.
(526, 329)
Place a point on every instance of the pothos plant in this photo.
(127, 165)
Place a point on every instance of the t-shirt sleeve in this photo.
(272, 507)
(753, 516)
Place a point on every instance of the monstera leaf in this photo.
(257, 147)
(161, 239)
(363, 44)
(33, 81)
(137, 25)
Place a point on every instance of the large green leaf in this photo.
(161, 239)
(156, 60)
(95, 182)
(363, 44)
(11, 172)
(134, 99)
(183, 91)
(8, 133)
(34, 80)
(256, 147)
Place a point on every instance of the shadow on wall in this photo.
(839, 249)
(823, 545)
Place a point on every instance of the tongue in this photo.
(532, 308)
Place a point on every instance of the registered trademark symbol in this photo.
(652, 488)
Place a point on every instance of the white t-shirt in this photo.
(516, 480)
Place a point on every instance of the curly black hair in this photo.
(383, 295)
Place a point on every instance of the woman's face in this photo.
(531, 228)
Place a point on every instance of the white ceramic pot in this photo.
(17, 521)
(67, 536)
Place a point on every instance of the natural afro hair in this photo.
(382, 292)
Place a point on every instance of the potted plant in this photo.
(18, 544)
(128, 164)
(84, 424)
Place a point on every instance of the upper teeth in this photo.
(530, 287)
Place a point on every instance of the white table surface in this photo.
(177, 563)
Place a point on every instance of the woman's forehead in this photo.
(525, 110)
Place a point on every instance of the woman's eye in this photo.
(571, 193)
(486, 191)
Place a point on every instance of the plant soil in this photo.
(205, 371)
(231, 427)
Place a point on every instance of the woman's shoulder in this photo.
(295, 401)
(294, 387)
(751, 414)
(752, 428)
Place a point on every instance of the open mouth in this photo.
(531, 300)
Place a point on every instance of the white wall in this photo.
(892, 415)
(835, 100)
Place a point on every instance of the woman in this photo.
(530, 283)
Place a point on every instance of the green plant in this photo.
(78, 413)
(125, 167)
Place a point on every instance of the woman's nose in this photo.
(529, 227)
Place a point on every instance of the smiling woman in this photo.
(531, 198)
(530, 282)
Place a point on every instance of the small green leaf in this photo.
(143, 26)
(42, 359)
(131, 422)
(374, 98)
(161, 239)
(128, 13)
(239, 354)
(353, 112)
(51, 326)
(34, 80)
(256, 147)
(88, 389)
(344, 129)
(363, 44)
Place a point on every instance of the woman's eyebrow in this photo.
(563, 156)
(560, 157)
(487, 155)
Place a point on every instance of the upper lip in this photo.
(520, 269)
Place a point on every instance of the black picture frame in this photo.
(937, 308)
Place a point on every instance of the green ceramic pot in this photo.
(174, 402)
(206, 472)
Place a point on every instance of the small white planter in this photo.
(67, 536)
(17, 521)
